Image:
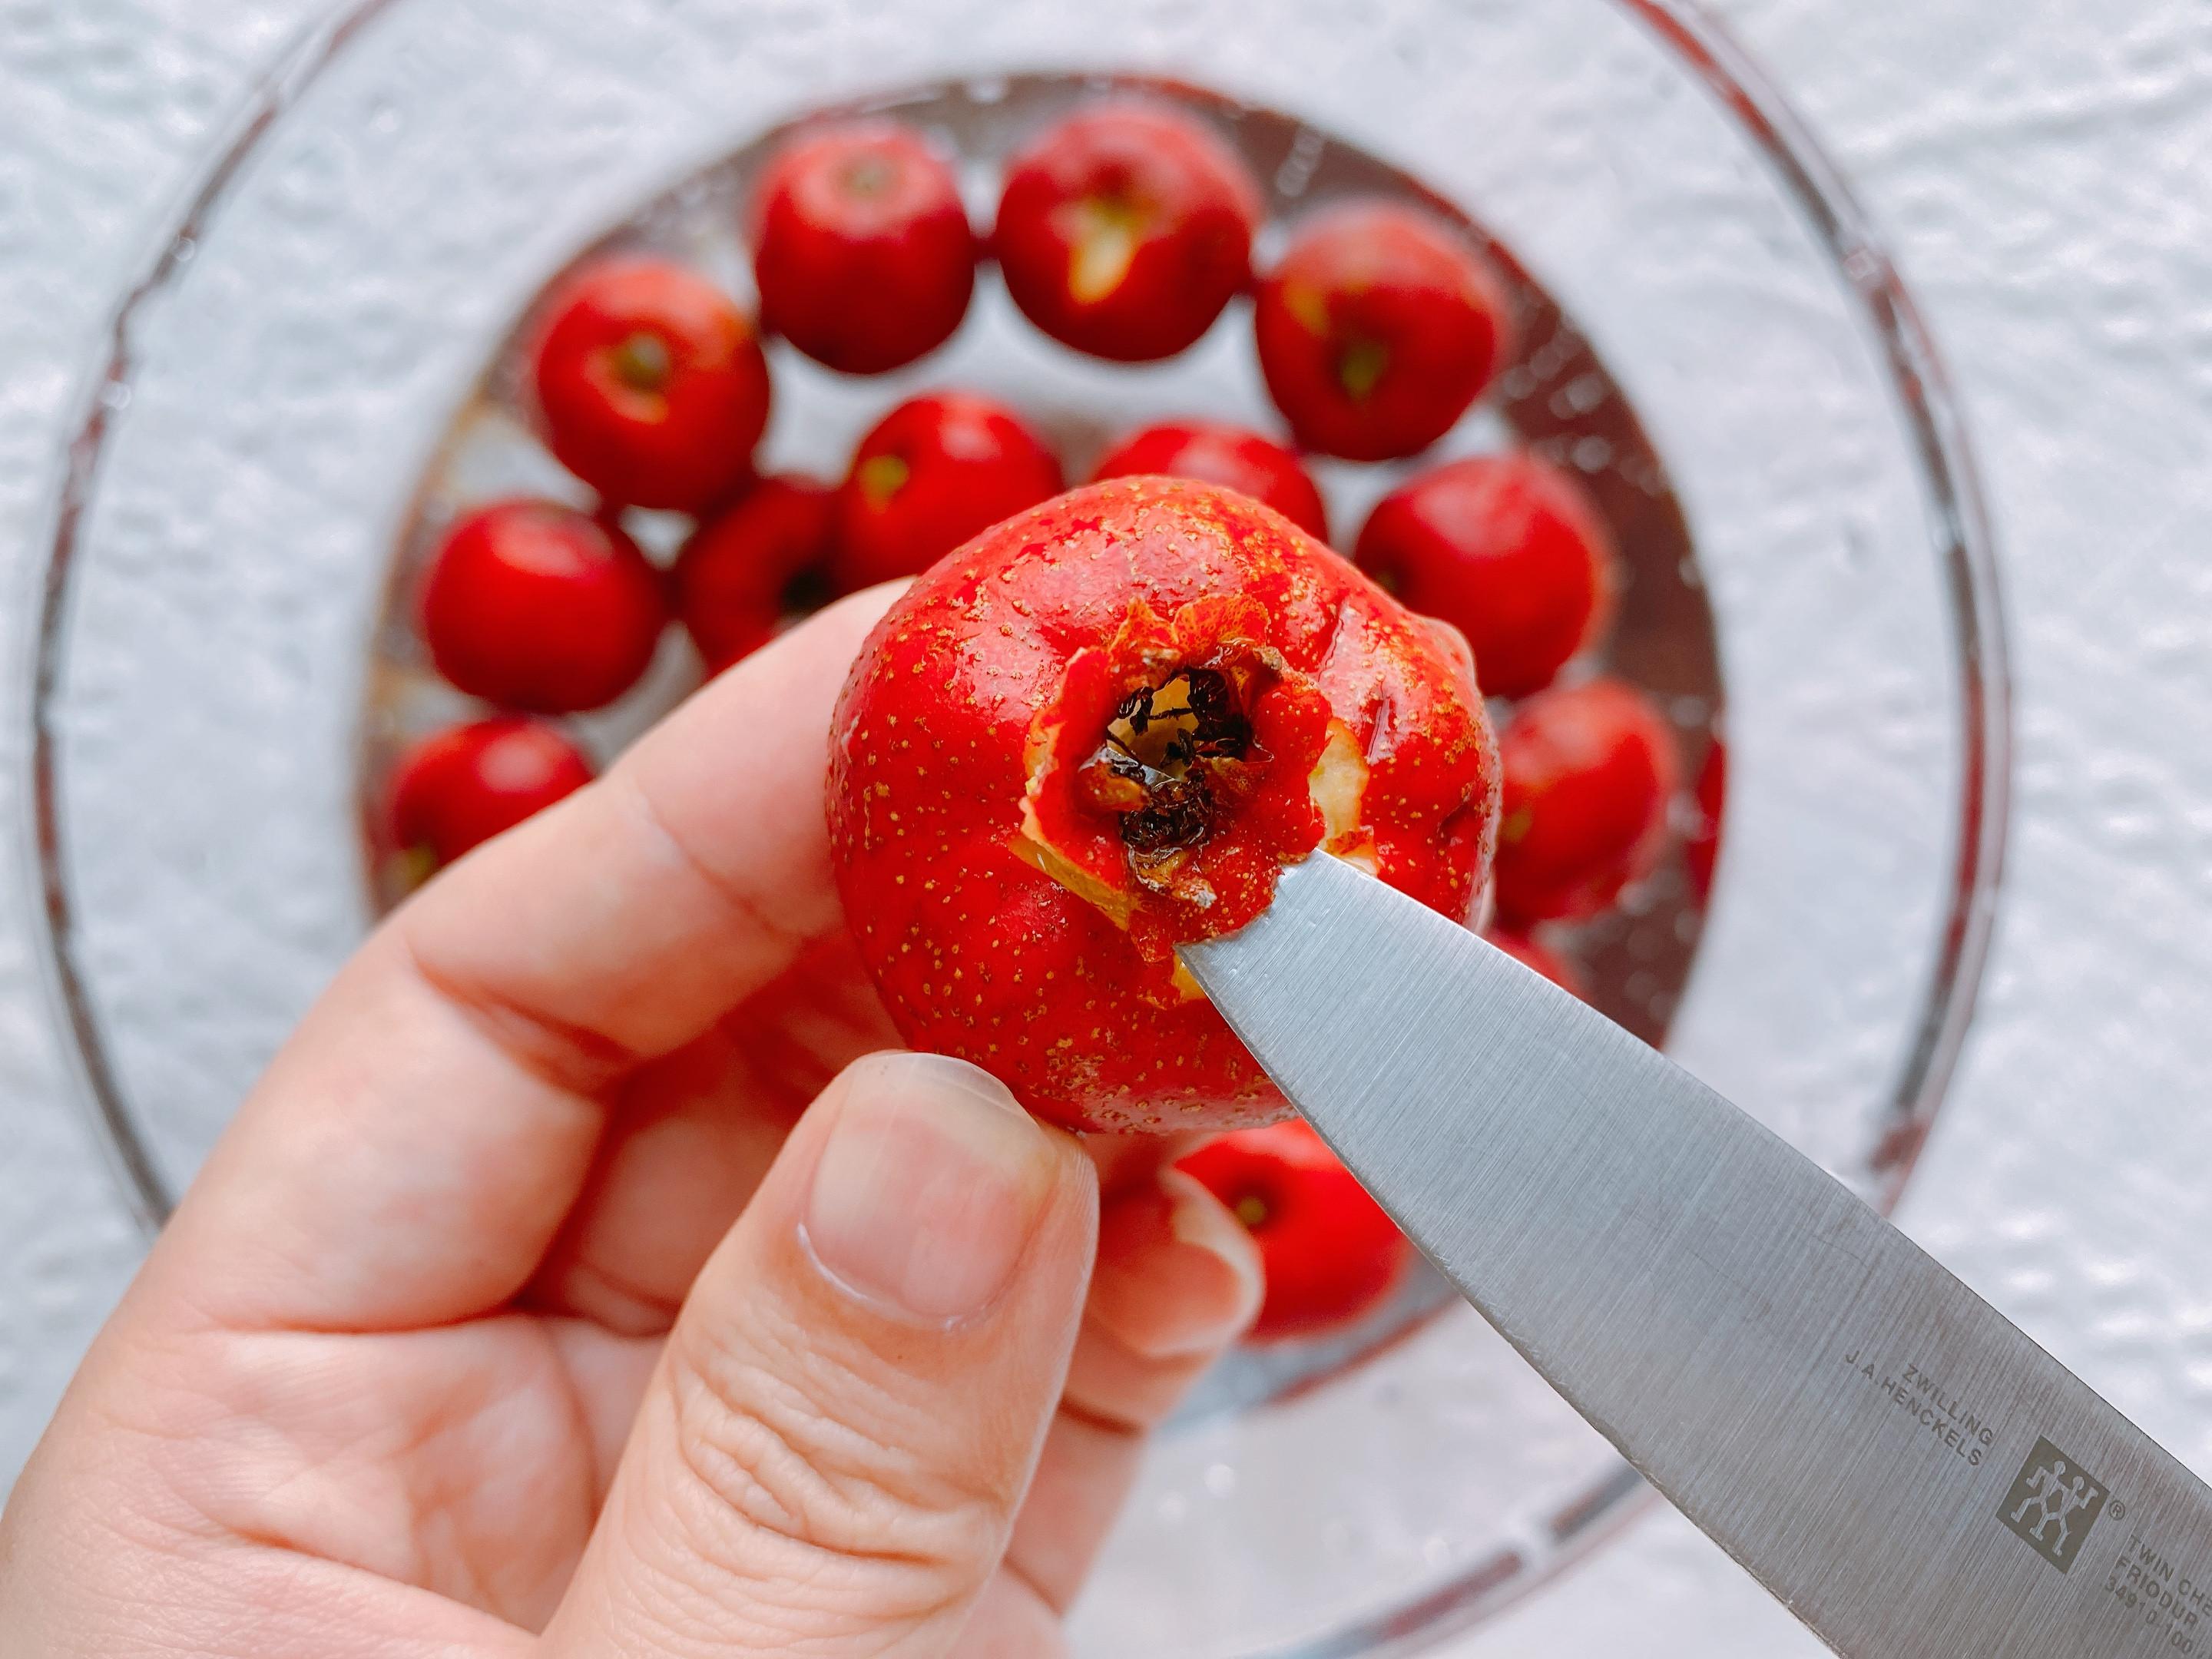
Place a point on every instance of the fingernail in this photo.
(931, 1183)
(1200, 1282)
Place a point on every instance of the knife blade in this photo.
(1903, 1468)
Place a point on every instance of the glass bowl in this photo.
(283, 380)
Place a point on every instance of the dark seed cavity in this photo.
(1161, 765)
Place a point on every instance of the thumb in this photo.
(832, 1450)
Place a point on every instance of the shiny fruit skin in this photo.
(861, 246)
(458, 788)
(1213, 452)
(1378, 328)
(646, 382)
(1124, 230)
(1329, 1252)
(734, 581)
(1509, 549)
(535, 606)
(1590, 774)
(933, 472)
(950, 790)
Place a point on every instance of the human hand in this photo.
(505, 1320)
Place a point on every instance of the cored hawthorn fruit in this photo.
(458, 788)
(1125, 229)
(1213, 452)
(646, 382)
(1378, 328)
(1532, 952)
(535, 606)
(758, 562)
(1507, 548)
(1590, 772)
(1101, 729)
(861, 246)
(1329, 1253)
(933, 472)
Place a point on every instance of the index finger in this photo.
(414, 1148)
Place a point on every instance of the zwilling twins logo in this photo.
(2053, 1504)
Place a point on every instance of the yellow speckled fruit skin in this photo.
(934, 775)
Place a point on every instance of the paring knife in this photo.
(1908, 1473)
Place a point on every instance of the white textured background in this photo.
(2044, 170)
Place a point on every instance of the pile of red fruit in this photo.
(1124, 232)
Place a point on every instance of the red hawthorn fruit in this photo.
(743, 573)
(1590, 771)
(934, 472)
(1102, 728)
(532, 606)
(1507, 548)
(647, 384)
(1378, 330)
(1703, 849)
(1329, 1252)
(1124, 230)
(1213, 452)
(458, 788)
(861, 246)
(1532, 952)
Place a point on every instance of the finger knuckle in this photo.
(804, 1474)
